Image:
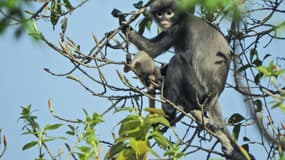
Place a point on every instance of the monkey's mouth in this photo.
(165, 24)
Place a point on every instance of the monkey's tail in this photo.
(216, 116)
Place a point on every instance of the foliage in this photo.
(249, 26)
(13, 13)
(86, 145)
(136, 133)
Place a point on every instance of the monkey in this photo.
(196, 74)
(148, 73)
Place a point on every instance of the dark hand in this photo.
(122, 21)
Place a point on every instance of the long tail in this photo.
(216, 117)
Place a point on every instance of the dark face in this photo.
(165, 13)
(165, 18)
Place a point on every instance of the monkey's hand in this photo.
(122, 20)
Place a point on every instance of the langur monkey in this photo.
(148, 73)
(196, 74)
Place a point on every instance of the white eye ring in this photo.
(169, 14)
(159, 14)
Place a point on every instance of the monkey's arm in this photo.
(154, 47)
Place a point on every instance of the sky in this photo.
(23, 80)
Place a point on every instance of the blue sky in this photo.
(23, 80)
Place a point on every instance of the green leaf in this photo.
(140, 147)
(84, 149)
(236, 131)
(52, 127)
(236, 118)
(55, 10)
(72, 133)
(145, 23)
(97, 118)
(68, 5)
(131, 126)
(53, 138)
(29, 145)
(155, 119)
(160, 139)
(115, 149)
(71, 127)
(264, 70)
(279, 72)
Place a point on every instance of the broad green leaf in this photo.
(140, 147)
(131, 126)
(155, 119)
(130, 118)
(52, 127)
(115, 149)
(29, 145)
(160, 139)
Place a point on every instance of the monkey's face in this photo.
(165, 12)
(165, 18)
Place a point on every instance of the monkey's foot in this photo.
(214, 128)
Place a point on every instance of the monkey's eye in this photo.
(169, 14)
(159, 14)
